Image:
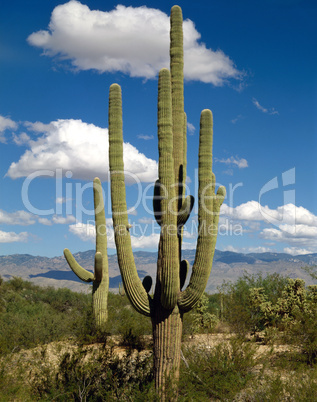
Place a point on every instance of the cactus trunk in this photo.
(167, 336)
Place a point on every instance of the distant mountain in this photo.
(227, 266)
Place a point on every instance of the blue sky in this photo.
(254, 64)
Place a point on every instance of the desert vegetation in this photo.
(255, 340)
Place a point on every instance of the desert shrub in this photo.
(12, 383)
(200, 319)
(204, 317)
(31, 315)
(303, 333)
(297, 386)
(295, 312)
(95, 375)
(125, 321)
(284, 311)
(237, 310)
(219, 372)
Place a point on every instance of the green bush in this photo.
(95, 375)
(32, 315)
(237, 310)
(295, 312)
(218, 372)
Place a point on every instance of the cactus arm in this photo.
(183, 213)
(99, 274)
(184, 152)
(208, 215)
(168, 258)
(100, 220)
(101, 257)
(177, 82)
(81, 272)
(131, 281)
(185, 210)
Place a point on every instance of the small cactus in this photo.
(100, 278)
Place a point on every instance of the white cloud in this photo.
(6, 124)
(291, 233)
(296, 251)
(247, 250)
(45, 221)
(295, 226)
(37, 127)
(239, 117)
(87, 232)
(288, 214)
(145, 137)
(146, 221)
(241, 163)
(191, 128)
(12, 237)
(299, 237)
(57, 220)
(150, 241)
(22, 218)
(189, 234)
(189, 246)
(61, 220)
(82, 149)
(132, 40)
(263, 109)
(21, 139)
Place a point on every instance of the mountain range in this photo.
(227, 266)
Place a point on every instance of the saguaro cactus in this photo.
(100, 278)
(171, 209)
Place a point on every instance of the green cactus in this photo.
(100, 278)
(171, 210)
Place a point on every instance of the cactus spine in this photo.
(171, 210)
(100, 278)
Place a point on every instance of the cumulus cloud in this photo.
(37, 127)
(296, 251)
(63, 220)
(246, 250)
(287, 215)
(263, 109)
(22, 218)
(131, 40)
(87, 232)
(300, 237)
(189, 246)
(81, 148)
(290, 224)
(12, 237)
(150, 241)
(6, 124)
(21, 139)
(241, 163)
